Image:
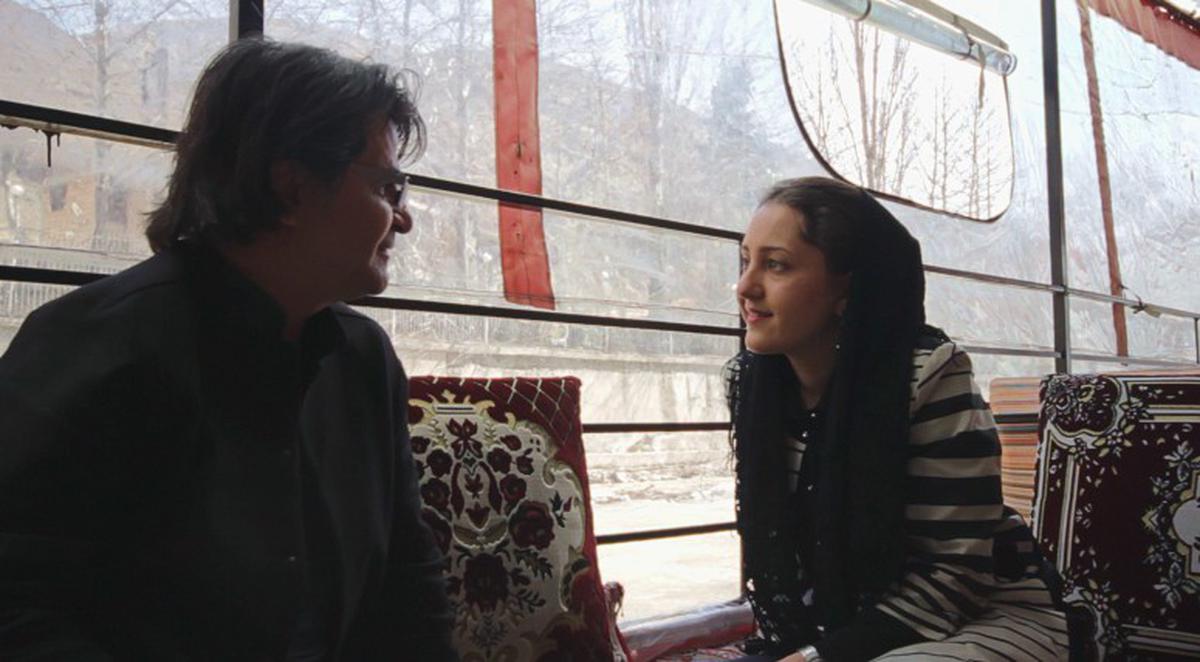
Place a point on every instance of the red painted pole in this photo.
(523, 255)
(1115, 287)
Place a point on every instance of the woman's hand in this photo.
(794, 657)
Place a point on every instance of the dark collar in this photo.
(243, 309)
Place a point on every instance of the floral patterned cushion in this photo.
(1118, 507)
(504, 487)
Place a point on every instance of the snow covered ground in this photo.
(668, 576)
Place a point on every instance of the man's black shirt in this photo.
(158, 439)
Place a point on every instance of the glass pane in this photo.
(1092, 330)
(658, 480)
(609, 268)
(628, 375)
(17, 300)
(447, 44)
(674, 575)
(671, 108)
(1018, 245)
(991, 366)
(452, 252)
(896, 116)
(979, 313)
(654, 481)
(1164, 337)
(598, 267)
(1129, 365)
(1147, 103)
(124, 59)
(93, 198)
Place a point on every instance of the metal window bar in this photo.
(76, 278)
(53, 120)
(930, 25)
(1055, 195)
(1132, 360)
(614, 428)
(246, 19)
(56, 121)
(659, 534)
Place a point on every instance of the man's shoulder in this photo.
(99, 329)
(361, 330)
(151, 287)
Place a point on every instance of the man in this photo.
(205, 457)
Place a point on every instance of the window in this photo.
(898, 117)
(109, 58)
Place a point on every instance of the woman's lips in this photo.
(754, 316)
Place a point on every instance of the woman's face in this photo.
(788, 298)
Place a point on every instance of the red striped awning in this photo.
(1158, 23)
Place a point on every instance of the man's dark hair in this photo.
(260, 102)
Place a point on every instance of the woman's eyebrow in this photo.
(764, 249)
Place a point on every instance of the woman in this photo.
(868, 467)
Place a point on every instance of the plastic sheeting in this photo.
(125, 59)
(447, 45)
(91, 203)
(1151, 117)
(672, 108)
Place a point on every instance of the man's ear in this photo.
(287, 183)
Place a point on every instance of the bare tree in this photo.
(120, 39)
(885, 95)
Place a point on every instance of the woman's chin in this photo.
(759, 347)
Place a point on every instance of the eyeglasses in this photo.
(393, 184)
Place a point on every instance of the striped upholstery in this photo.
(1015, 406)
(972, 585)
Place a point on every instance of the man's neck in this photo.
(269, 265)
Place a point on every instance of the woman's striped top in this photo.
(968, 556)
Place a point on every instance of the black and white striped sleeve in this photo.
(953, 508)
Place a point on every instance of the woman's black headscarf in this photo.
(859, 488)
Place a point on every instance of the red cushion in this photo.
(1118, 506)
(505, 490)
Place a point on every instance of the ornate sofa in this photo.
(1113, 492)
(1117, 506)
(504, 485)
